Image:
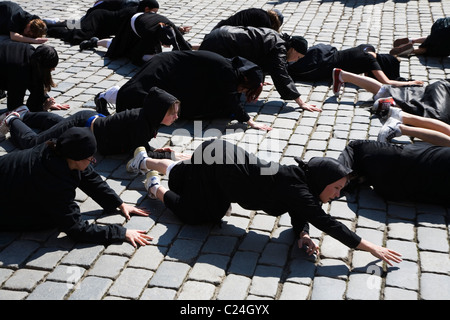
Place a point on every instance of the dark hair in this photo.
(274, 20)
(42, 61)
(38, 28)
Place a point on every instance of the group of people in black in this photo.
(38, 182)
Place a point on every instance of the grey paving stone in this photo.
(404, 275)
(234, 287)
(244, 263)
(434, 262)
(328, 289)
(158, 294)
(434, 286)
(194, 290)
(131, 283)
(362, 286)
(209, 268)
(265, 281)
(294, 291)
(83, 255)
(184, 250)
(91, 288)
(391, 293)
(108, 266)
(432, 239)
(148, 257)
(16, 253)
(274, 254)
(24, 280)
(170, 274)
(50, 290)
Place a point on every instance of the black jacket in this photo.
(124, 131)
(204, 82)
(202, 188)
(415, 172)
(321, 59)
(146, 40)
(254, 17)
(17, 76)
(262, 46)
(37, 191)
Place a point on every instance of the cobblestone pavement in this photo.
(253, 255)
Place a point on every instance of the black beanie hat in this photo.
(46, 56)
(299, 44)
(76, 143)
(147, 3)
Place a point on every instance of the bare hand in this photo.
(40, 40)
(310, 107)
(256, 125)
(137, 237)
(128, 209)
(50, 104)
(382, 253)
(386, 255)
(305, 240)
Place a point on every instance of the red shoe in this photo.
(337, 83)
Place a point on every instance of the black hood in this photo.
(155, 107)
(322, 171)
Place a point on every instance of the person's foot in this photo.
(4, 125)
(403, 50)
(395, 113)
(337, 83)
(134, 165)
(101, 105)
(152, 183)
(390, 130)
(89, 44)
(400, 42)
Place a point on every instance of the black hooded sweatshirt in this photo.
(115, 134)
(124, 131)
(17, 75)
(220, 173)
(204, 82)
(37, 191)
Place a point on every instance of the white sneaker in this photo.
(152, 179)
(395, 113)
(390, 130)
(134, 165)
(21, 111)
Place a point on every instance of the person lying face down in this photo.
(219, 173)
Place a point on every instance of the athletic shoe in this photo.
(395, 113)
(89, 44)
(337, 83)
(152, 179)
(134, 165)
(400, 42)
(390, 130)
(4, 125)
(403, 50)
(101, 105)
(382, 106)
(21, 111)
